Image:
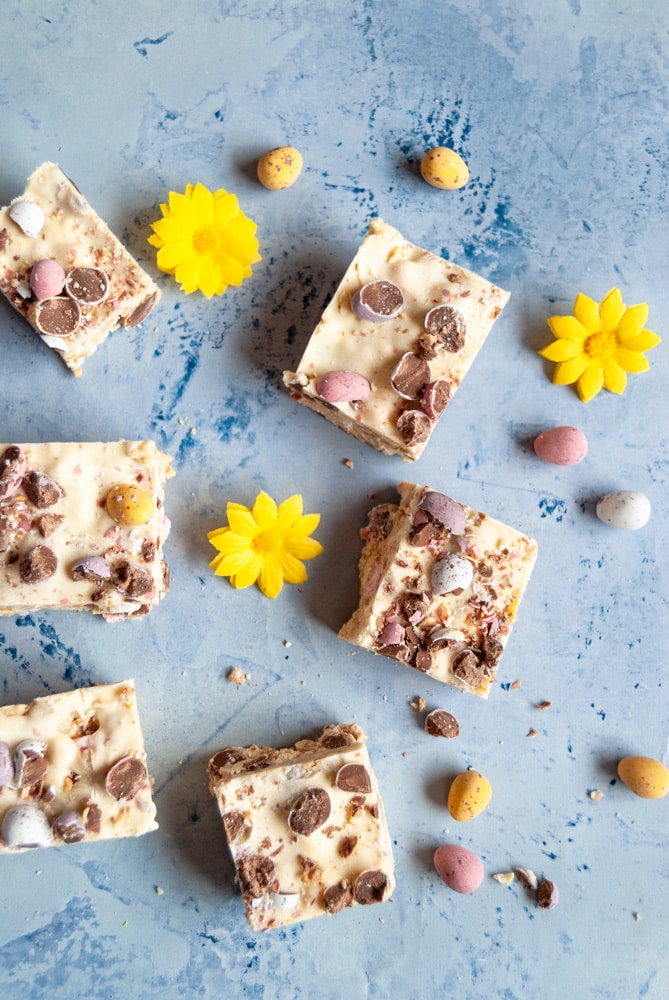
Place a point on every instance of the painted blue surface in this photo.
(560, 111)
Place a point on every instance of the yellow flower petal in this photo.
(631, 361)
(567, 328)
(290, 511)
(569, 371)
(632, 321)
(293, 569)
(270, 580)
(611, 309)
(304, 548)
(586, 311)
(645, 340)
(590, 382)
(242, 522)
(561, 350)
(264, 511)
(247, 574)
(615, 379)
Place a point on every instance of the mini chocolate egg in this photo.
(459, 868)
(28, 216)
(453, 572)
(26, 826)
(128, 504)
(279, 168)
(561, 446)
(47, 278)
(342, 387)
(645, 776)
(378, 300)
(626, 509)
(469, 795)
(444, 168)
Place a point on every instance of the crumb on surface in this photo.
(532, 732)
(237, 676)
(159, 890)
(419, 704)
(543, 705)
(596, 795)
(348, 462)
(516, 684)
(506, 878)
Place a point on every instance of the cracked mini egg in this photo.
(131, 505)
(279, 168)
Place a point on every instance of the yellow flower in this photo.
(205, 240)
(599, 344)
(266, 544)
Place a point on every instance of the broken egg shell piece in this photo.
(87, 285)
(25, 826)
(378, 301)
(94, 569)
(453, 572)
(285, 900)
(342, 387)
(392, 634)
(47, 279)
(445, 510)
(28, 216)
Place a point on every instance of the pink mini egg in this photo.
(561, 446)
(47, 279)
(459, 868)
(342, 387)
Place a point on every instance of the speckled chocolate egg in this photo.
(279, 168)
(645, 776)
(625, 509)
(444, 168)
(453, 572)
(561, 445)
(127, 504)
(459, 868)
(342, 387)
(469, 795)
(26, 826)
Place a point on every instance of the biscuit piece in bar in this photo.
(394, 343)
(440, 586)
(64, 270)
(82, 527)
(305, 826)
(73, 768)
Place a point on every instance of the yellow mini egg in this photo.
(444, 168)
(469, 794)
(646, 777)
(128, 504)
(279, 168)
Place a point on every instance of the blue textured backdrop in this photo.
(560, 110)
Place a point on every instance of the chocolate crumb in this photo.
(48, 523)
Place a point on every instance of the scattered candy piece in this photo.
(444, 168)
(439, 722)
(459, 868)
(599, 344)
(25, 826)
(28, 216)
(645, 776)
(342, 387)
(378, 301)
(59, 316)
(205, 240)
(266, 544)
(94, 569)
(410, 376)
(70, 827)
(625, 509)
(47, 278)
(128, 504)
(561, 446)
(547, 894)
(87, 285)
(527, 878)
(452, 573)
(448, 512)
(469, 795)
(13, 466)
(279, 168)
(38, 564)
(506, 878)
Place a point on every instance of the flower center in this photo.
(205, 242)
(599, 345)
(265, 543)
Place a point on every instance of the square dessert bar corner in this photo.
(82, 527)
(440, 585)
(63, 269)
(395, 342)
(305, 826)
(73, 768)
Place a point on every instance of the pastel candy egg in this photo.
(626, 509)
(26, 826)
(47, 278)
(342, 387)
(645, 776)
(28, 216)
(279, 168)
(128, 504)
(453, 572)
(469, 795)
(378, 300)
(561, 446)
(444, 168)
(459, 868)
